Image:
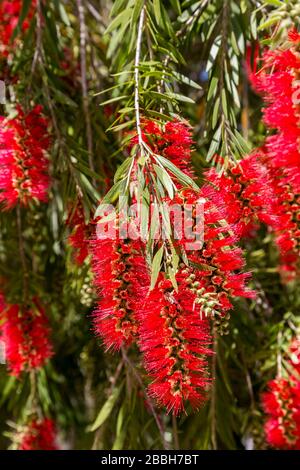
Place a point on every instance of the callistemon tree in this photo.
(149, 224)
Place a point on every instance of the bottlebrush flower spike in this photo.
(215, 273)
(294, 35)
(25, 332)
(38, 434)
(286, 187)
(278, 82)
(176, 145)
(172, 141)
(282, 406)
(247, 193)
(24, 168)
(175, 343)
(279, 85)
(118, 267)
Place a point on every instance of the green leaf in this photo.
(119, 127)
(121, 430)
(89, 188)
(253, 25)
(8, 388)
(113, 100)
(212, 86)
(105, 410)
(138, 4)
(111, 196)
(215, 143)
(145, 215)
(160, 116)
(155, 223)
(171, 273)
(269, 22)
(179, 97)
(122, 170)
(188, 81)
(215, 114)
(117, 6)
(241, 142)
(165, 180)
(121, 18)
(109, 89)
(234, 43)
(213, 53)
(87, 171)
(184, 179)
(224, 103)
(157, 12)
(63, 14)
(176, 5)
(156, 265)
(276, 3)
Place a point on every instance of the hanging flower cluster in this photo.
(9, 14)
(171, 325)
(246, 189)
(173, 141)
(24, 178)
(25, 333)
(118, 269)
(38, 434)
(24, 167)
(281, 404)
(277, 80)
(175, 343)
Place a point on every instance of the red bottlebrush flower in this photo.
(286, 187)
(173, 326)
(247, 194)
(174, 341)
(80, 235)
(282, 405)
(9, 14)
(176, 145)
(274, 433)
(25, 333)
(24, 172)
(173, 141)
(38, 435)
(294, 35)
(173, 332)
(118, 267)
(217, 275)
(278, 82)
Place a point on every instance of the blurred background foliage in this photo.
(76, 60)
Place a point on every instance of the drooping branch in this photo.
(136, 75)
(84, 86)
